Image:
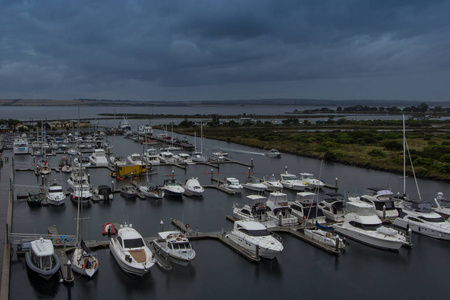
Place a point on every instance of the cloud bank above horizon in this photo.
(217, 50)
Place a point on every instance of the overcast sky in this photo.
(225, 49)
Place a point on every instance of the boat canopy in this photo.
(42, 247)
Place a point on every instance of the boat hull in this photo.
(268, 253)
(46, 274)
(372, 241)
(434, 233)
(136, 270)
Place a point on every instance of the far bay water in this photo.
(301, 271)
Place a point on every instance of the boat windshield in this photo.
(259, 232)
(180, 246)
(133, 243)
(371, 227)
(432, 220)
(56, 191)
(389, 205)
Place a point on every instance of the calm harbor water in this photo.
(301, 271)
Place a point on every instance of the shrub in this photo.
(445, 158)
(425, 162)
(377, 153)
(392, 146)
(330, 156)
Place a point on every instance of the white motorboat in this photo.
(419, 217)
(79, 185)
(166, 157)
(291, 182)
(151, 191)
(84, 161)
(325, 237)
(271, 183)
(219, 156)
(135, 159)
(255, 238)
(382, 200)
(198, 157)
(42, 258)
(311, 182)
(305, 208)
(279, 209)
(192, 187)
(128, 191)
(333, 207)
(98, 158)
(273, 153)
(442, 205)
(118, 161)
(20, 145)
(130, 251)
(174, 246)
(254, 184)
(171, 187)
(183, 159)
(145, 130)
(254, 210)
(103, 193)
(151, 157)
(363, 225)
(55, 195)
(72, 151)
(232, 184)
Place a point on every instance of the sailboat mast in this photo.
(201, 137)
(404, 157)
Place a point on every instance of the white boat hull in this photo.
(130, 268)
(431, 232)
(264, 252)
(357, 235)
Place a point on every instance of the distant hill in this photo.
(244, 102)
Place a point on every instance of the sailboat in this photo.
(83, 261)
(197, 156)
(417, 215)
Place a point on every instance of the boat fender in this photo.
(83, 266)
(58, 241)
(95, 266)
(178, 239)
(169, 236)
(181, 235)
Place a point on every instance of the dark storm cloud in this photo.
(147, 49)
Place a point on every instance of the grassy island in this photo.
(371, 144)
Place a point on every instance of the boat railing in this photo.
(276, 236)
(22, 240)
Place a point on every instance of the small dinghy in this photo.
(109, 229)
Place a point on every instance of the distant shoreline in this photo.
(218, 103)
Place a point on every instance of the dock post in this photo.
(336, 183)
(212, 174)
(161, 226)
(280, 219)
(112, 185)
(89, 178)
(69, 271)
(384, 212)
(257, 251)
(249, 172)
(251, 162)
(337, 242)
